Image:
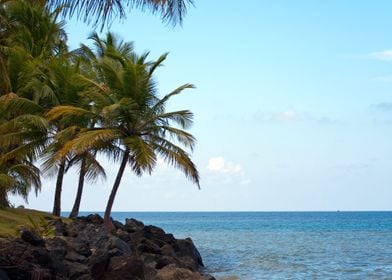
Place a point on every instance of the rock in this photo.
(56, 246)
(3, 275)
(171, 272)
(75, 257)
(118, 225)
(148, 246)
(125, 267)
(167, 260)
(59, 227)
(186, 248)
(168, 250)
(169, 238)
(41, 273)
(120, 244)
(124, 235)
(77, 270)
(72, 230)
(98, 264)
(79, 246)
(84, 249)
(154, 232)
(41, 256)
(93, 219)
(132, 225)
(158, 261)
(31, 238)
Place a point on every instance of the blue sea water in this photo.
(284, 245)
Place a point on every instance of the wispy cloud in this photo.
(284, 116)
(383, 106)
(382, 55)
(223, 172)
(290, 115)
(219, 164)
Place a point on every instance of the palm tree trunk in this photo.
(108, 223)
(59, 185)
(3, 198)
(76, 206)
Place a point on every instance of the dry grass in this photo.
(12, 219)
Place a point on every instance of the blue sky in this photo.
(293, 108)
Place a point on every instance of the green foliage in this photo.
(62, 108)
(12, 219)
(41, 228)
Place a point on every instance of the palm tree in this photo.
(20, 129)
(103, 11)
(132, 123)
(90, 169)
(18, 176)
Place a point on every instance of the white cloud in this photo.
(291, 115)
(383, 55)
(383, 106)
(219, 164)
(288, 116)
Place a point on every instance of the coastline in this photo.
(83, 249)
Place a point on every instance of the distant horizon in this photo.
(239, 211)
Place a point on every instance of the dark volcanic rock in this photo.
(31, 238)
(132, 225)
(125, 267)
(188, 249)
(171, 272)
(84, 249)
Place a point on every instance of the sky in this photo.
(293, 108)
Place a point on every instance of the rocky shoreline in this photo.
(83, 249)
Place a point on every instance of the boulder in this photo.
(148, 246)
(98, 263)
(3, 275)
(154, 232)
(59, 227)
(79, 246)
(77, 270)
(31, 238)
(186, 248)
(121, 245)
(84, 249)
(132, 225)
(168, 250)
(75, 257)
(118, 225)
(125, 268)
(170, 272)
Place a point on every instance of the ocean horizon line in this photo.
(230, 211)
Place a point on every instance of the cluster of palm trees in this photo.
(61, 108)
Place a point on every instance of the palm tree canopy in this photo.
(130, 116)
(103, 11)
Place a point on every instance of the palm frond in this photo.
(103, 11)
(143, 158)
(178, 158)
(183, 137)
(163, 100)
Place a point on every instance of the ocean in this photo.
(283, 245)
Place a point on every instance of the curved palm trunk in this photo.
(59, 185)
(76, 206)
(108, 223)
(6, 83)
